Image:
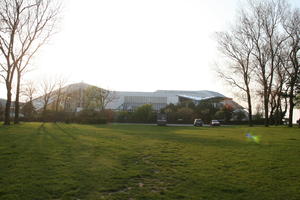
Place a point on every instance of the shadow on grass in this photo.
(64, 130)
(168, 134)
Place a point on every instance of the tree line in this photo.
(57, 101)
(262, 57)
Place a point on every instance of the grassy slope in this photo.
(59, 161)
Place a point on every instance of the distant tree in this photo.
(191, 105)
(97, 98)
(239, 115)
(228, 112)
(169, 108)
(61, 83)
(47, 88)
(207, 109)
(225, 113)
(24, 27)
(125, 116)
(144, 113)
(185, 114)
(29, 92)
(28, 110)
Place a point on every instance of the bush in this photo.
(83, 117)
(90, 117)
(52, 116)
(143, 114)
(124, 116)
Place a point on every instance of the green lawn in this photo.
(69, 161)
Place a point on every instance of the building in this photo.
(161, 98)
(74, 99)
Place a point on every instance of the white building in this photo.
(161, 98)
(131, 100)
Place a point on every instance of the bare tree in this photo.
(108, 96)
(29, 91)
(278, 98)
(263, 20)
(61, 83)
(47, 88)
(97, 98)
(25, 25)
(237, 47)
(292, 28)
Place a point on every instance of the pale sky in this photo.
(138, 45)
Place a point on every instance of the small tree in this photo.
(97, 98)
(185, 114)
(47, 88)
(225, 113)
(61, 82)
(144, 113)
(29, 91)
(28, 110)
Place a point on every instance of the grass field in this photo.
(69, 161)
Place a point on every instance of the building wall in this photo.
(132, 102)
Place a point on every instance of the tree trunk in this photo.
(8, 105)
(17, 102)
(266, 107)
(56, 104)
(58, 100)
(249, 108)
(291, 106)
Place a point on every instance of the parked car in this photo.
(198, 122)
(215, 123)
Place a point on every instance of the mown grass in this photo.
(70, 161)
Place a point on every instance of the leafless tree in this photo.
(108, 96)
(278, 98)
(61, 83)
(29, 91)
(292, 28)
(263, 20)
(237, 47)
(97, 98)
(48, 86)
(25, 25)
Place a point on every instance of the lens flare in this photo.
(253, 138)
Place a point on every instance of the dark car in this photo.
(215, 123)
(198, 122)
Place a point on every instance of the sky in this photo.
(137, 45)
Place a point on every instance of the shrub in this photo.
(144, 114)
(90, 117)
